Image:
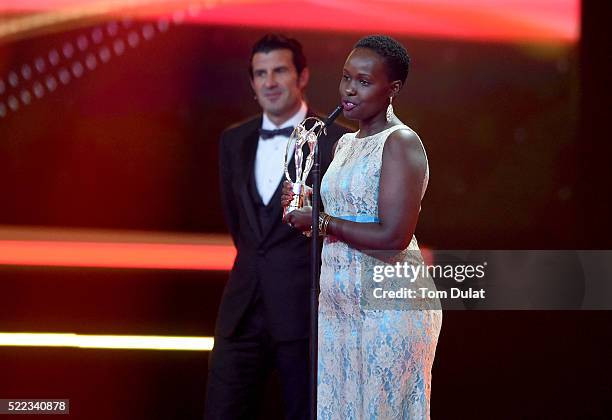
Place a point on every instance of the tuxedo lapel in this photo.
(248, 153)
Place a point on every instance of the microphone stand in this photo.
(315, 267)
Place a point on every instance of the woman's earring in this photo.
(390, 115)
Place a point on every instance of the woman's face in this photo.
(365, 87)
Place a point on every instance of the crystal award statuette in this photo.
(302, 135)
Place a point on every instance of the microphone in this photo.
(333, 116)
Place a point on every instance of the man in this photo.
(263, 319)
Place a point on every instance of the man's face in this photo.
(276, 83)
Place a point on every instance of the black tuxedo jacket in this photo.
(274, 259)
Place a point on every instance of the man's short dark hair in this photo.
(395, 55)
(271, 42)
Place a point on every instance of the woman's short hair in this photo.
(395, 55)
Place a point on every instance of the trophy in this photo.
(302, 135)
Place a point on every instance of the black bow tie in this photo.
(268, 134)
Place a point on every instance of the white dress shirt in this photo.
(270, 157)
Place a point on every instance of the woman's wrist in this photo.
(324, 220)
(322, 217)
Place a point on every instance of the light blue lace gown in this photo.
(372, 364)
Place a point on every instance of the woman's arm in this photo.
(401, 182)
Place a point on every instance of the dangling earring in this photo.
(390, 115)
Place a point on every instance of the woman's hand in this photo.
(300, 219)
(287, 194)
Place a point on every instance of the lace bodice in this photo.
(356, 168)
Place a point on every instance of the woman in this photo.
(373, 364)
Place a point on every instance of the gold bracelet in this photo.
(324, 219)
(326, 223)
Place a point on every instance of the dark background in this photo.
(133, 144)
(518, 142)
